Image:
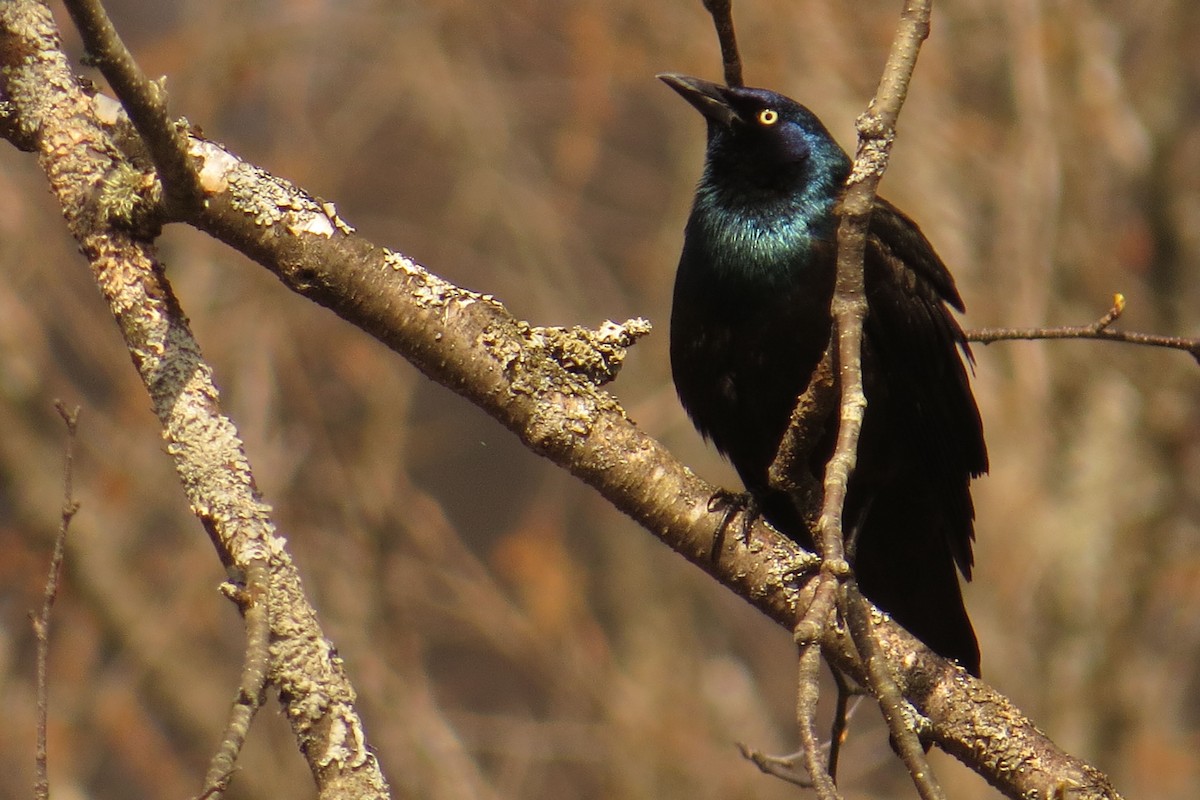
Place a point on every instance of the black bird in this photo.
(751, 319)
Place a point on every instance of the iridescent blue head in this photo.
(768, 158)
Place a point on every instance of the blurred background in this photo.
(509, 633)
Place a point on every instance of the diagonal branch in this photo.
(472, 345)
(144, 99)
(76, 154)
(857, 611)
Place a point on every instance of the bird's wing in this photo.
(916, 339)
(898, 231)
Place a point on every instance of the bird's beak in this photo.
(710, 99)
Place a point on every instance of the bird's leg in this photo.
(731, 504)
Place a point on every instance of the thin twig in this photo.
(841, 716)
(785, 767)
(876, 129)
(808, 633)
(1099, 330)
(857, 612)
(722, 14)
(253, 601)
(807, 695)
(782, 767)
(41, 622)
(144, 100)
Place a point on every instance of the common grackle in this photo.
(751, 320)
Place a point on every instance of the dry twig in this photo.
(782, 767)
(722, 14)
(876, 130)
(41, 622)
(144, 100)
(254, 601)
(1096, 330)
(807, 694)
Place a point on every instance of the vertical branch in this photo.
(876, 132)
(41, 623)
(722, 14)
(806, 705)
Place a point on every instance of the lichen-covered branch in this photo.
(77, 155)
(146, 101)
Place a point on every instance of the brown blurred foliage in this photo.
(510, 634)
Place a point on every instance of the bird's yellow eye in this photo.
(768, 116)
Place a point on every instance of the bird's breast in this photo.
(743, 346)
(756, 244)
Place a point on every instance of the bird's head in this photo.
(762, 142)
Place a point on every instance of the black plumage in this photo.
(751, 319)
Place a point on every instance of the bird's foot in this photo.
(732, 504)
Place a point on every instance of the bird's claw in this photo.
(731, 504)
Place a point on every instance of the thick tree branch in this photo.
(471, 344)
